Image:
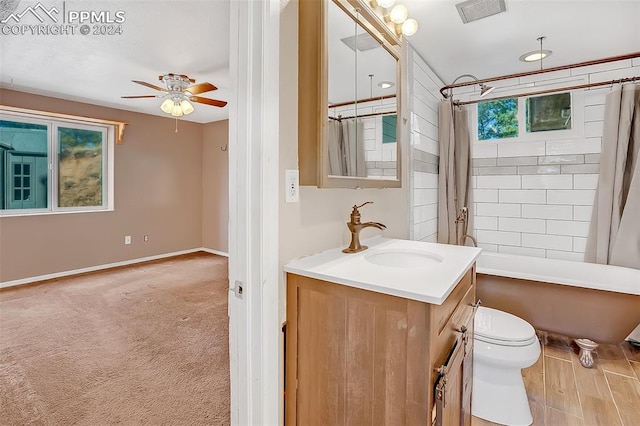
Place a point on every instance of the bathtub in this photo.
(577, 299)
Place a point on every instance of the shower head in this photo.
(485, 90)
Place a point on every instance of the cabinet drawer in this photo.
(461, 316)
(442, 313)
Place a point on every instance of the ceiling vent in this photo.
(362, 42)
(472, 10)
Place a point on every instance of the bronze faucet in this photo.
(355, 226)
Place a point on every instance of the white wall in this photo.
(424, 101)
(535, 197)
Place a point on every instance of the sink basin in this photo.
(403, 258)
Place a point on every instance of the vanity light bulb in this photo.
(409, 27)
(385, 3)
(398, 14)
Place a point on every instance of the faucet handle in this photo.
(355, 213)
(363, 204)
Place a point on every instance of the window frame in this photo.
(53, 122)
(575, 132)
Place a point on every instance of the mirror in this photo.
(361, 133)
(348, 102)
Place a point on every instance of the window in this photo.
(389, 124)
(498, 119)
(551, 112)
(506, 118)
(55, 165)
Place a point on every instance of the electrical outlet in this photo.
(291, 186)
(127, 239)
(146, 238)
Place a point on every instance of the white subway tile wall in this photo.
(424, 104)
(544, 205)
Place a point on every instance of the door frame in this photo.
(254, 329)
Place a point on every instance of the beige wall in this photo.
(215, 186)
(158, 192)
(318, 221)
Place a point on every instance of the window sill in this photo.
(51, 213)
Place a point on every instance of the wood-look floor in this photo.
(562, 392)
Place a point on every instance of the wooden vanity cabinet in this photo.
(357, 357)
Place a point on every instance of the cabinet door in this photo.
(449, 388)
(352, 365)
(454, 386)
(467, 375)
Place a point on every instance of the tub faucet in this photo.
(355, 226)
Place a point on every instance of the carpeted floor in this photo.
(141, 345)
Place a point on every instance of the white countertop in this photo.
(431, 283)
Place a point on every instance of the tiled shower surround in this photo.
(531, 197)
(423, 154)
(535, 205)
(535, 197)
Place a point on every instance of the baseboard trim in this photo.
(62, 274)
(219, 253)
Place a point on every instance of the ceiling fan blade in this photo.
(201, 88)
(213, 102)
(153, 86)
(143, 96)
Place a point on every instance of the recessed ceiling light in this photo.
(535, 55)
(386, 84)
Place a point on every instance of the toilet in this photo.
(504, 344)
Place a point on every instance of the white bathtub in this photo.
(577, 274)
(576, 299)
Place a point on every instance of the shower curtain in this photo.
(336, 148)
(353, 142)
(614, 232)
(454, 175)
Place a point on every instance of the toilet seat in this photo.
(502, 328)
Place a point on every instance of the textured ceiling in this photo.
(158, 37)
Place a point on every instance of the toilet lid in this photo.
(501, 327)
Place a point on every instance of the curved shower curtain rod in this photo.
(543, 71)
(559, 89)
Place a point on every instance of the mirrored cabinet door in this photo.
(348, 99)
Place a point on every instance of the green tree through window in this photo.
(498, 119)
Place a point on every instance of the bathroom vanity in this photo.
(384, 336)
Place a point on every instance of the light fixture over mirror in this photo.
(398, 14)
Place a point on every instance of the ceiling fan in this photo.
(180, 89)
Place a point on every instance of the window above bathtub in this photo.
(554, 116)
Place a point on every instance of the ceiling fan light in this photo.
(409, 27)
(176, 111)
(167, 106)
(398, 14)
(186, 107)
